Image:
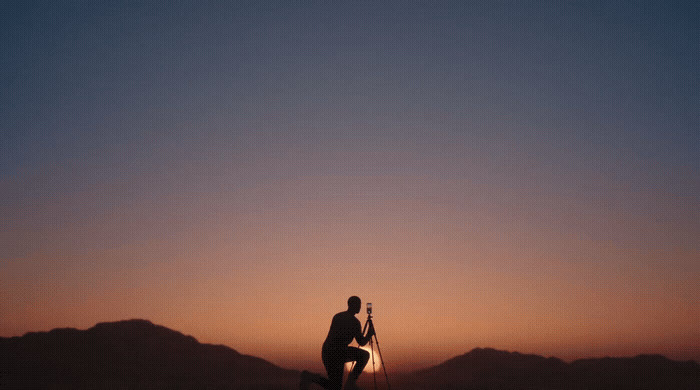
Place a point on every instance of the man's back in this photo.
(344, 328)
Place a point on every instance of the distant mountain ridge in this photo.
(493, 369)
(136, 354)
(131, 354)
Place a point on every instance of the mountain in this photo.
(133, 354)
(137, 354)
(493, 369)
(489, 368)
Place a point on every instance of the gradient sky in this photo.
(523, 175)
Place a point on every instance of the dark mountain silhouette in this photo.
(489, 368)
(493, 369)
(137, 354)
(133, 354)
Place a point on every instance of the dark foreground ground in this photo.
(137, 354)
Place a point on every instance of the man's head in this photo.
(354, 304)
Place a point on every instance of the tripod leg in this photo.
(381, 358)
(374, 372)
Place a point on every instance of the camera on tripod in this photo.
(372, 341)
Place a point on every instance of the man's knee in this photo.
(364, 356)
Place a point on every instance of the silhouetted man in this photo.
(336, 350)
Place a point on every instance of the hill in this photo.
(493, 369)
(137, 354)
(133, 354)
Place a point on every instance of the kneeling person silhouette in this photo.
(336, 350)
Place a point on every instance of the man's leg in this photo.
(311, 377)
(335, 366)
(360, 357)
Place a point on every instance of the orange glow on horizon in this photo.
(442, 282)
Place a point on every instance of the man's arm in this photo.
(362, 340)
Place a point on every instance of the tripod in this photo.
(373, 340)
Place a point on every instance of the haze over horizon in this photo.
(517, 175)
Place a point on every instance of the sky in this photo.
(522, 175)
